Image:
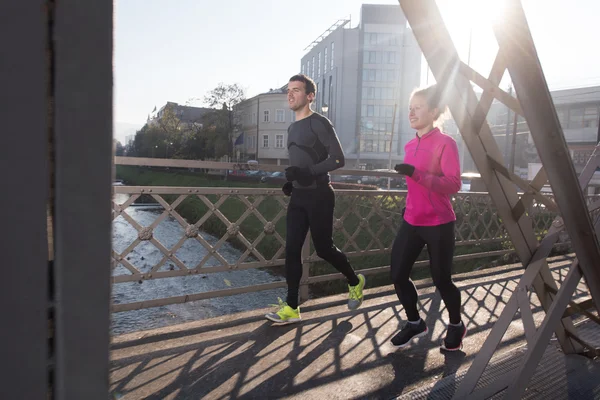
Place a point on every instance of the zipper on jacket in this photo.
(418, 144)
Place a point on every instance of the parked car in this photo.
(278, 175)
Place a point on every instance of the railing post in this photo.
(305, 269)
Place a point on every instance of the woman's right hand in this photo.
(405, 169)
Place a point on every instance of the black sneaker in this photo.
(409, 332)
(454, 337)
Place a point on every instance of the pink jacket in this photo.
(436, 177)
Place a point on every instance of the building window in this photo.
(371, 38)
(384, 145)
(389, 111)
(375, 146)
(332, 50)
(579, 117)
(253, 118)
(369, 75)
(390, 57)
(323, 86)
(279, 141)
(330, 95)
(266, 116)
(319, 65)
(590, 117)
(325, 64)
(383, 38)
(581, 157)
(388, 128)
(293, 115)
(312, 72)
(370, 92)
(370, 57)
(576, 118)
(318, 105)
(302, 71)
(280, 116)
(265, 141)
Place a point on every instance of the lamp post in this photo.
(167, 153)
(325, 108)
(154, 147)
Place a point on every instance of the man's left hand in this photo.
(302, 175)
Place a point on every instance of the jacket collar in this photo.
(432, 132)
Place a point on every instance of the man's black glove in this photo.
(405, 169)
(287, 188)
(302, 175)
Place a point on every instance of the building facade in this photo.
(363, 74)
(186, 114)
(263, 121)
(578, 111)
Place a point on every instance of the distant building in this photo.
(361, 74)
(263, 121)
(186, 114)
(578, 111)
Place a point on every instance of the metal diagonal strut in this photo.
(532, 90)
(469, 113)
(517, 52)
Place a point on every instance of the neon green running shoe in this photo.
(355, 296)
(285, 315)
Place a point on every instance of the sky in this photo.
(167, 50)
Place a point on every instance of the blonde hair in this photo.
(435, 97)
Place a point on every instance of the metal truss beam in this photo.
(517, 53)
(532, 90)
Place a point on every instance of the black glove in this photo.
(405, 169)
(287, 188)
(302, 175)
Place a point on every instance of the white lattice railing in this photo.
(239, 229)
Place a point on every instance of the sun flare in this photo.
(474, 13)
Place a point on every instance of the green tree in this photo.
(162, 137)
(223, 119)
(119, 149)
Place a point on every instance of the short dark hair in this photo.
(308, 83)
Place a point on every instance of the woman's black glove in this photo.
(405, 169)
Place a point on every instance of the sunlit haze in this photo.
(177, 51)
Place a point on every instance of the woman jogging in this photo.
(432, 169)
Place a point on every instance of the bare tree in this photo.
(224, 98)
(225, 95)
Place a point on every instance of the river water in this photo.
(146, 255)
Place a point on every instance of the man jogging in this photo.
(314, 151)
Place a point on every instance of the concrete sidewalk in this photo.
(332, 354)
